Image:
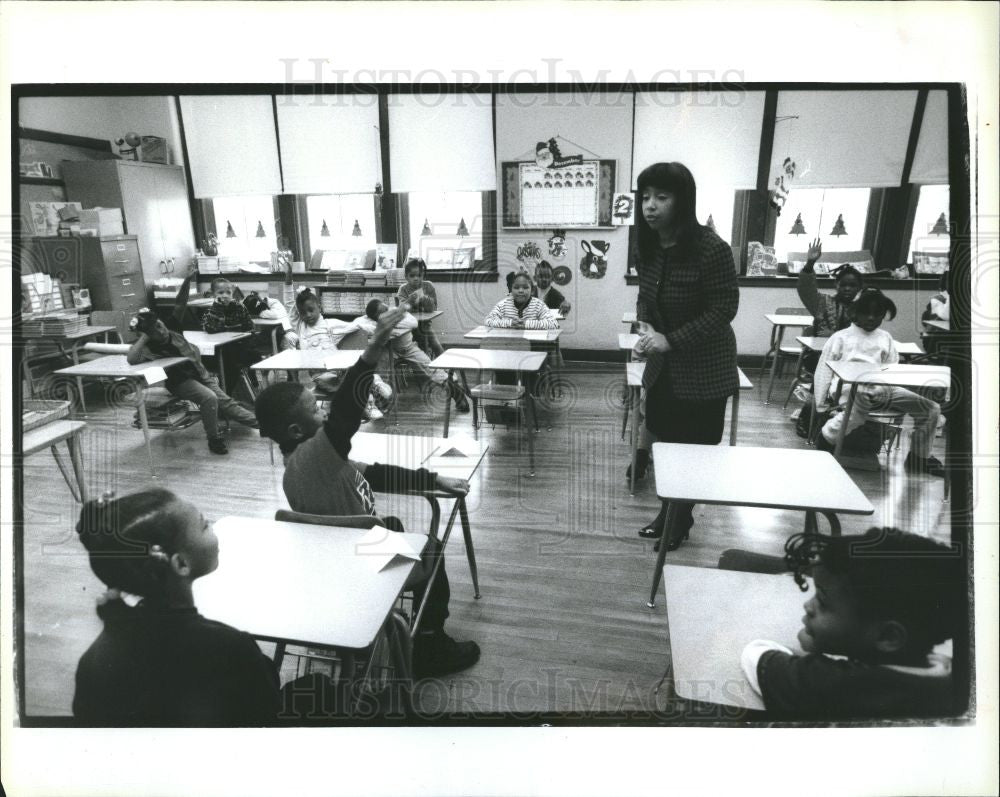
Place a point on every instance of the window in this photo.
(820, 209)
(442, 213)
(246, 217)
(932, 204)
(717, 203)
(331, 219)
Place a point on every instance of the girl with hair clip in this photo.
(864, 341)
(688, 295)
(157, 661)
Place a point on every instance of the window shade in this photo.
(231, 145)
(332, 147)
(716, 134)
(843, 139)
(441, 142)
(930, 162)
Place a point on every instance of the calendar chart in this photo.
(574, 195)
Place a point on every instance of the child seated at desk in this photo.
(420, 295)
(521, 310)
(882, 601)
(405, 347)
(863, 341)
(189, 381)
(310, 330)
(157, 661)
(545, 291)
(321, 479)
(228, 315)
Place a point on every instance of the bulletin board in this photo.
(577, 195)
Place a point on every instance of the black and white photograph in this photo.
(359, 409)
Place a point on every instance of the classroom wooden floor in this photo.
(562, 622)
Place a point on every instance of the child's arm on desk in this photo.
(137, 353)
(394, 479)
(349, 403)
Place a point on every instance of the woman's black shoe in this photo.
(641, 466)
(653, 531)
(675, 542)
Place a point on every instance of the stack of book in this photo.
(336, 278)
(373, 278)
(167, 412)
(63, 323)
(355, 278)
(229, 264)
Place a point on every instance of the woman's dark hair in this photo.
(892, 575)
(676, 179)
(873, 300)
(130, 539)
(847, 270)
(304, 296)
(412, 263)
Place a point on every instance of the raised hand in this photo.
(815, 250)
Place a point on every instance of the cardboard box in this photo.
(153, 150)
(102, 221)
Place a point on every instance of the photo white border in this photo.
(735, 42)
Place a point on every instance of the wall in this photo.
(104, 117)
(596, 124)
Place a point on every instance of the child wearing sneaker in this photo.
(882, 600)
(310, 330)
(190, 381)
(864, 341)
(405, 347)
(321, 479)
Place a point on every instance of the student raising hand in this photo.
(456, 487)
(814, 253)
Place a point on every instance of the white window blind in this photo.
(441, 142)
(231, 144)
(930, 162)
(843, 139)
(716, 134)
(329, 144)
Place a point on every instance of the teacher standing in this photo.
(688, 294)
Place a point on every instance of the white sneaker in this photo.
(381, 387)
(372, 413)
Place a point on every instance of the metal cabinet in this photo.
(154, 202)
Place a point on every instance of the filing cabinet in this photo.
(109, 266)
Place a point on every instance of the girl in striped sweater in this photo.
(520, 310)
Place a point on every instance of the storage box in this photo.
(153, 149)
(104, 221)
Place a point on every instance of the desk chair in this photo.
(367, 522)
(780, 351)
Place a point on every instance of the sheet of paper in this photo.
(536, 334)
(379, 546)
(154, 375)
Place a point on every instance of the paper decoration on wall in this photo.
(557, 245)
(593, 265)
(557, 197)
(528, 254)
(561, 275)
(547, 155)
(623, 209)
(385, 255)
(782, 185)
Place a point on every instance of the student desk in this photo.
(49, 436)
(548, 339)
(309, 360)
(712, 615)
(412, 451)
(293, 583)
(273, 325)
(209, 344)
(629, 317)
(519, 362)
(426, 318)
(780, 321)
(912, 377)
(772, 478)
(115, 366)
(633, 379)
(69, 346)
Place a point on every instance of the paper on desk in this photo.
(379, 547)
(453, 453)
(536, 334)
(154, 375)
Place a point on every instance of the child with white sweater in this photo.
(864, 341)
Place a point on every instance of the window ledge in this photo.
(922, 280)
